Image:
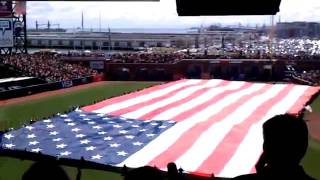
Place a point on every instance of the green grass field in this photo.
(18, 114)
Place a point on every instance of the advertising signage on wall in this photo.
(5, 8)
(6, 32)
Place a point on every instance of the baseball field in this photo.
(14, 113)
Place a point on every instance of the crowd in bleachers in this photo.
(147, 57)
(311, 77)
(46, 66)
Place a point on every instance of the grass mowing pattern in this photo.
(17, 114)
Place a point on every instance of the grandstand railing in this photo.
(33, 89)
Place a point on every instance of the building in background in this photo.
(298, 30)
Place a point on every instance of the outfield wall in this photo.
(230, 69)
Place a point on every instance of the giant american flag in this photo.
(204, 126)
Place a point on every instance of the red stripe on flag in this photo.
(215, 99)
(188, 138)
(298, 105)
(158, 111)
(154, 100)
(129, 96)
(228, 146)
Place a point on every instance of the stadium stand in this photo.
(46, 66)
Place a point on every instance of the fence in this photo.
(33, 89)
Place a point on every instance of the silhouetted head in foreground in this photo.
(144, 173)
(45, 170)
(285, 141)
(285, 144)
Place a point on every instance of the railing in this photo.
(33, 89)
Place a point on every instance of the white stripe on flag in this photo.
(180, 95)
(250, 149)
(166, 139)
(142, 98)
(174, 111)
(209, 139)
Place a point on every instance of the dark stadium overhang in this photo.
(227, 7)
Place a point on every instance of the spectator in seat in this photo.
(45, 170)
(285, 144)
(144, 173)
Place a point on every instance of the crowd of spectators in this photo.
(289, 49)
(293, 49)
(46, 66)
(147, 57)
(311, 77)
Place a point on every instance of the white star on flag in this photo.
(137, 143)
(57, 139)
(8, 136)
(71, 124)
(90, 148)
(66, 153)
(110, 122)
(68, 120)
(154, 124)
(50, 126)
(117, 126)
(83, 115)
(142, 130)
(86, 119)
(100, 114)
(114, 145)
(150, 135)
(61, 146)
(107, 138)
(135, 126)
(122, 153)
(106, 118)
(29, 128)
(75, 129)
(129, 137)
(47, 121)
(96, 127)
(53, 133)
(123, 132)
(30, 136)
(9, 146)
(102, 133)
(91, 122)
(162, 126)
(86, 141)
(96, 157)
(63, 115)
(36, 150)
(80, 135)
(33, 142)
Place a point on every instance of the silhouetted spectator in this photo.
(45, 170)
(144, 173)
(173, 173)
(285, 144)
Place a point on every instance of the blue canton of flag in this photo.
(96, 137)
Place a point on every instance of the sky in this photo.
(153, 14)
